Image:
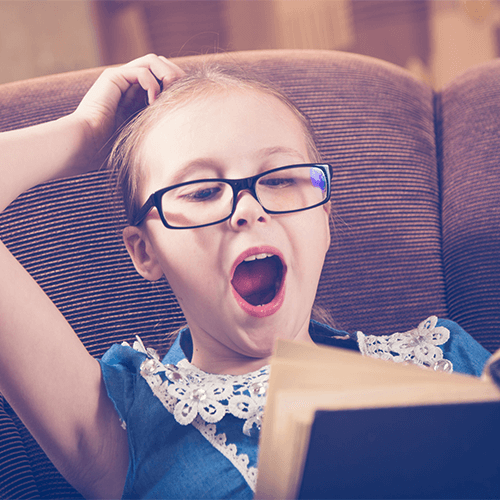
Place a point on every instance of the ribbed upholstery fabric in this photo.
(469, 125)
(392, 261)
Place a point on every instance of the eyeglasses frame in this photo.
(237, 185)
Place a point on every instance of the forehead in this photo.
(231, 132)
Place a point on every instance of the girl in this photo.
(243, 254)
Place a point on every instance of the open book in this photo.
(340, 425)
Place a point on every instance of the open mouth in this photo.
(258, 278)
(257, 283)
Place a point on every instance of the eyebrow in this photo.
(211, 164)
(282, 150)
(192, 166)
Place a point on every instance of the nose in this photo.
(248, 212)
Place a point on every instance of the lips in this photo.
(257, 279)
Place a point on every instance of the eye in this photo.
(277, 182)
(201, 194)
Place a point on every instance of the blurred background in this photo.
(434, 39)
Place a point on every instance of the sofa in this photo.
(416, 216)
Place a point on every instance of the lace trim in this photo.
(417, 346)
(202, 399)
(187, 392)
(218, 441)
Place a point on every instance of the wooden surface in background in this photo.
(435, 39)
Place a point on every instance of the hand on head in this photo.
(120, 92)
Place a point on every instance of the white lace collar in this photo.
(418, 346)
(186, 391)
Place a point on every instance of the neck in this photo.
(228, 365)
(240, 352)
(211, 356)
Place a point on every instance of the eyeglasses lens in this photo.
(292, 189)
(197, 204)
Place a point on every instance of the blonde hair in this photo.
(199, 82)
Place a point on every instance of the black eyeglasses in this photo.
(200, 203)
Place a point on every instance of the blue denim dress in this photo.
(192, 442)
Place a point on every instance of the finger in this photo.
(176, 71)
(159, 65)
(164, 70)
(126, 77)
(150, 84)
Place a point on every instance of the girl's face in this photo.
(232, 134)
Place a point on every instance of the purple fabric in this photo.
(469, 132)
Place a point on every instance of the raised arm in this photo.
(77, 142)
(46, 374)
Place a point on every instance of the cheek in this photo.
(185, 259)
(327, 207)
(321, 230)
(328, 234)
(322, 240)
(312, 240)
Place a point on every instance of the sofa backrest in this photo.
(416, 216)
(468, 130)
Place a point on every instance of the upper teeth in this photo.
(258, 256)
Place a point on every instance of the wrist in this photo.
(79, 149)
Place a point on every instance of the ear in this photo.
(141, 253)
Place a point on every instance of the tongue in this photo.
(255, 280)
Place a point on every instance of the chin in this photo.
(263, 348)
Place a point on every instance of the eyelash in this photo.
(195, 196)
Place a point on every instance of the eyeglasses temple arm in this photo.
(144, 211)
